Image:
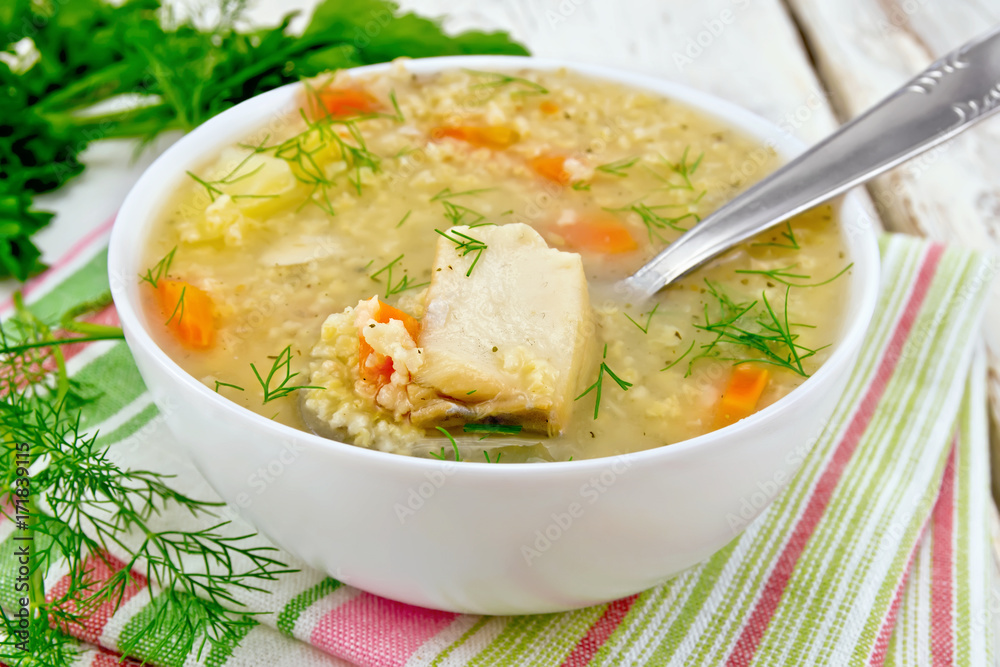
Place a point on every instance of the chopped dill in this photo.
(446, 193)
(398, 117)
(219, 383)
(649, 318)
(782, 274)
(454, 445)
(457, 214)
(618, 167)
(470, 393)
(160, 269)
(598, 384)
(178, 307)
(214, 188)
(756, 328)
(400, 223)
(678, 359)
(684, 169)
(493, 428)
(282, 364)
(402, 285)
(498, 80)
(789, 236)
(580, 185)
(496, 460)
(465, 244)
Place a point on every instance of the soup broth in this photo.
(260, 263)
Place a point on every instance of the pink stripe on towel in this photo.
(375, 632)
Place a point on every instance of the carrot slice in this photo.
(548, 106)
(379, 370)
(742, 394)
(604, 234)
(552, 167)
(496, 137)
(189, 311)
(342, 102)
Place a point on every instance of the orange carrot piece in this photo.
(380, 372)
(604, 234)
(189, 311)
(342, 102)
(742, 394)
(548, 106)
(496, 137)
(552, 167)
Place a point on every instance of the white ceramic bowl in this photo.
(476, 537)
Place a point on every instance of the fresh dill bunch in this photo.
(84, 509)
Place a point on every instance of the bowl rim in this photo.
(865, 255)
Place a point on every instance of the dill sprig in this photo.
(782, 274)
(496, 460)
(678, 359)
(220, 383)
(497, 80)
(618, 168)
(85, 507)
(235, 175)
(281, 369)
(580, 185)
(404, 219)
(649, 318)
(684, 169)
(598, 384)
(791, 243)
(465, 244)
(446, 193)
(457, 214)
(454, 445)
(178, 311)
(755, 329)
(508, 429)
(402, 285)
(160, 269)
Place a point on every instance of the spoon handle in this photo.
(951, 95)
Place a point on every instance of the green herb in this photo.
(580, 185)
(493, 428)
(678, 359)
(280, 368)
(753, 328)
(496, 460)
(179, 308)
(465, 244)
(457, 214)
(219, 383)
(398, 117)
(649, 318)
(160, 269)
(497, 80)
(782, 274)
(789, 235)
(404, 219)
(600, 381)
(469, 393)
(684, 169)
(454, 445)
(401, 286)
(235, 175)
(448, 194)
(85, 504)
(618, 167)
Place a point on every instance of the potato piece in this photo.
(506, 342)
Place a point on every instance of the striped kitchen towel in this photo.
(876, 553)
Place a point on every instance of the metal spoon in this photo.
(950, 96)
